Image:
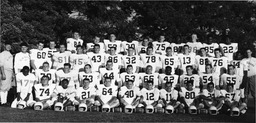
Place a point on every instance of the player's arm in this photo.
(18, 88)
(2, 72)
(121, 97)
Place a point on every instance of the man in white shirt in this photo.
(73, 42)
(22, 58)
(6, 60)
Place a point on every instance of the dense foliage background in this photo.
(35, 20)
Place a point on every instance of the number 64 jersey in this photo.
(106, 93)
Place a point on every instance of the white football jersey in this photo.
(50, 52)
(61, 58)
(25, 84)
(176, 47)
(78, 61)
(145, 77)
(72, 43)
(184, 78)
(201, 62)
(208, 78)
(43, 92)
(230, 79)
(150, 96)
(160, 46)
(117, 44)
(113, 74)
(209, 48)
(231, 96)
(116, 59)
(51, 74)
(194, 46)
(129, 94)
(93, 77)
(189, 95)
(91, 46)
(106, 93)
(21, 60)
(69, 92)
(72, 76)
(240, 66)
(229, 50)
(133, 44)
(153, 60)
(172, 61)
(39, 57)
(131, 60)
(135, 77)
(96, 60)
(163, 78)
(82, 94)
(214, 94)
(187, 60)
(168, 96)
(219, 63)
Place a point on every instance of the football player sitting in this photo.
(44, 93)
(107, 96)
(188, 97)
(168, 98)
(85, 95)
(150, 96)
(65, 96)
(129, 96)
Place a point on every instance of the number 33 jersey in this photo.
(43, 92)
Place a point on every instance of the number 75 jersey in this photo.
(43, 92)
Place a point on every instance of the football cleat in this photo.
(21, 105)
(82, 107)
(213, 110)
(140, 110)
(180, 110)
(128, 109)
(202, 111)
(58, 106)
(149, 109)
(70, 108)
(159, 110)
(106, 108)
(192, 110)
(38, 106)
(169, 109)
(94, 109)
(117, 109)
(235, 112)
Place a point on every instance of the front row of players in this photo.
(129, 98)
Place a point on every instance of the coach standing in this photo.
(6, 60)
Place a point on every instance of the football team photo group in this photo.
(112, 75)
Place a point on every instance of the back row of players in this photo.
(156, 63)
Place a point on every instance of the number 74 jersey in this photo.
(43, 92)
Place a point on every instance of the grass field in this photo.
(15, 115)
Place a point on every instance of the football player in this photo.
(39, 56)
(70, 75)
(115, 58)
(130, 43)
(161, 45)
(194, 45)
(45, 71)
(73, 42)
(151, 59)
(149, 76)
(189, 76)
(61, 57)
(79, 60)
(210, 46)
(97, 59)
(96, 40)
(112, 42)
(130, 75)
(43, 94)
(202, 60)
(229, 49)
(94, 77)
(168, 77)
(219, 62)
(107, 94)
(25, 82)
(132, 59)
(64, 96)
(187, 59)
(168, 96)
(51, 50)
(111, 73)
(209, 77)
(230, 78)
(188, 97)
(144, 45)
(129, 94)
(22, 58)
(86, 93)
(170, 60)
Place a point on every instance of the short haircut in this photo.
(190, 82)
(40, 42)
(211, 83)
(62, 44)
(96, 45)
(149, 47)
(79, 46)
(45, 76)
(46, 63)
(67, 64)
(230, 65)
(186, 46)
(113, 48)
(24, 44)
(189, 66)
(129, 80)
(217, 49)
(88, 65)
(129, 66)
(105, 78)
(208, 65)
(86, 79)
(150, 81)
(168, 83)
(168, 48)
